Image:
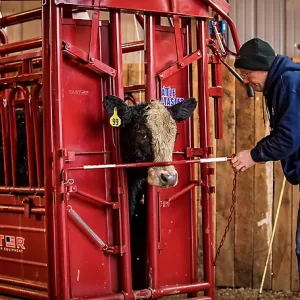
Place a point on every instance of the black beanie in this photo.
(255, 54)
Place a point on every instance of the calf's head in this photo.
(148, 133)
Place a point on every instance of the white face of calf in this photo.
(160, 134)
(163, 128)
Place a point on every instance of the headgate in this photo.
(64, 223)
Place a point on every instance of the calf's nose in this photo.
(168, 179)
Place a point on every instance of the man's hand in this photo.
(242, 161)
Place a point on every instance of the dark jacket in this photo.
(282, 92)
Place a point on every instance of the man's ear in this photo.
(183, 110)
(123, 110)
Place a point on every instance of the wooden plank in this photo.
(263, 191)
(224, 175)
(245, 198)
(294, 264)
(14, 32)
(31, 29)
(281, 257)
(136, 77)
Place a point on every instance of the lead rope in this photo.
(229, 218)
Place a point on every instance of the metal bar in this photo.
(20, 57)
(29, 284)
(180, 289)
(37, 133)
(21, 190)
(175, 67)
(51, 236)
(13, 135)
(19, 79)
(134, 88)
(178, 42)
(98, 200)
(151, 164)
(140, 19)
(83, 57)
(61, 255)
(13, 67)
(133, 47)
(182, 192)
(230, 22)
(23, 292)
(94, 34)
(21, 209)
(118, 89)
(216, 78)
(21, 17)
(5, 141)
(187, 24)
(203, 106)
(152, 206)
(21, 46)
(29, 137)
(86, 228)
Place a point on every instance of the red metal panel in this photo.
(22, 243)
(192, 7)
(175, 259)
(84, 134)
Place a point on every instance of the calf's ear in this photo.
(123, 110)
(183, 110)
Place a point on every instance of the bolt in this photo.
(181, 64)
(161, 75)
(73, 189)
(91, 59)
(198, 53)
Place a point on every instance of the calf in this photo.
(148, 132)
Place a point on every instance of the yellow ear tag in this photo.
(114, 120)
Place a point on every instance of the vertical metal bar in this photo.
(152, 204)
(5, 140)
(58, 161)
(194, 259)
(216, 79)
(204, 143)
(51, 237)
(4, 121)
(13, 134)
(37, 133)
(116, 50)
(29, 137)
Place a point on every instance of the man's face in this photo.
(256, 79)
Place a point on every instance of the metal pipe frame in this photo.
(121, 180)
(206, 198)
(59, 209)
(21, 17)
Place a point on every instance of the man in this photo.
(279, 80)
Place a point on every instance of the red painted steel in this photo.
(206, 198)
(77, 190)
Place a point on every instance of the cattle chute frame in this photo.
(65, 232)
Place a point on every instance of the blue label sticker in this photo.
(168, 96)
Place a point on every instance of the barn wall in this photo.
(272, 20)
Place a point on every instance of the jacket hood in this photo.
(280, 65)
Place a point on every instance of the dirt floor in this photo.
(245, 294)
(249, 294)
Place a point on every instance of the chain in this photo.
(233, 194)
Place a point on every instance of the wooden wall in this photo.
(243, 255)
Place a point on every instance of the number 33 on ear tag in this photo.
(114, 120)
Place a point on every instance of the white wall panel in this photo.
(260, 18)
